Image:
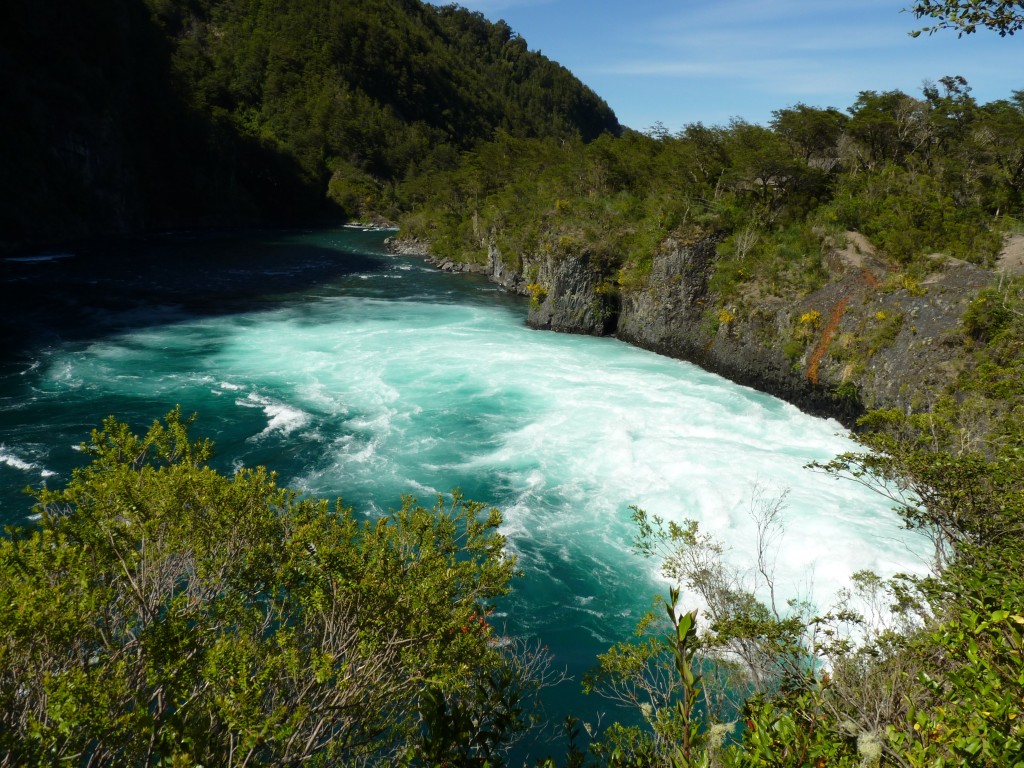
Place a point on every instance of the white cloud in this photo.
(663, 69)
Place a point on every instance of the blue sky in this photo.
(681, 61)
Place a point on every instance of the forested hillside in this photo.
(129, 115)
(916, 174)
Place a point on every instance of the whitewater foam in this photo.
(12, 460)
(281, 417)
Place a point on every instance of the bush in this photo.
(909, 214)
(986, 316)
(163, 613)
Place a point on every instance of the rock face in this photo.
(509, 278)
(869, 338)
(902, 346)
(570, 298)
(671, 313)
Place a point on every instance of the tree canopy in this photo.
(967, 16)
(155, 113)
(162, 613)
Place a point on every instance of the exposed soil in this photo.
(1011, 258)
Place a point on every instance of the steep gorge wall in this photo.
(869, 338)
(866, 339)
(671, 313)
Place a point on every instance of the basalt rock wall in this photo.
(868, 338)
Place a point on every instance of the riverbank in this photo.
(871, 337)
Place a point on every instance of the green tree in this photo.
(812, 134)
(975, 715)
(963, 500)
(967, 16)
(656, 675)
(998, 142)
(762, 164)
(888, 127)
(162, 613)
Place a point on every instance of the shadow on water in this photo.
(105, 288)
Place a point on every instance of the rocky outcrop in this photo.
(570, 296)
(673, 313)
(870, 337)
(509, 277)
(412, 246)
(898, 342)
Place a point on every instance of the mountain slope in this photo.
(130, 114)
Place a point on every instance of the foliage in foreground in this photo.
(912, 671)
(968, 16)
(165, 614)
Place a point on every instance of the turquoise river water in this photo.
(366, 375)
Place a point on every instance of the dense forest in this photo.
(936, 172)
(129, 115)
(161, 613)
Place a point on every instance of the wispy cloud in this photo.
(659, 68)
(783, 75)
(729, 13)
(780, 48)
(752, 38)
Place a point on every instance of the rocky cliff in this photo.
(870, 337)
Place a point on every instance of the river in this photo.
(365, 375)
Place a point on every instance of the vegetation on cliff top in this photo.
(917, 175)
